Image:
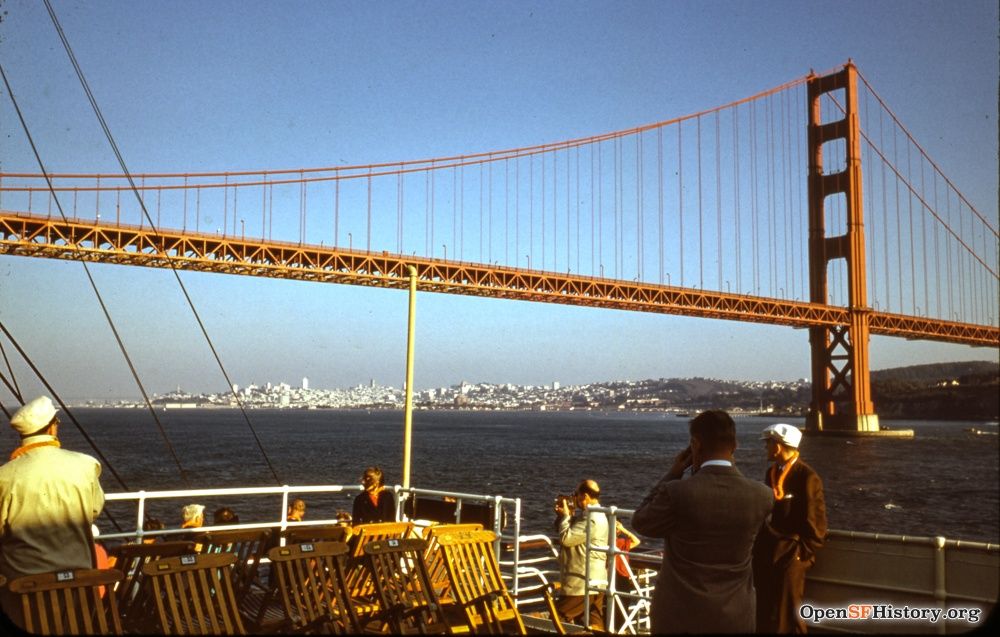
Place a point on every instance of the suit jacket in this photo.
(798, 522)
(708, 522)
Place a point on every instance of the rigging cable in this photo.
(93, 285)
(15, 389)
(66, 409)
(121, 162)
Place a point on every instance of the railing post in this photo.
(517, 546)
(141, 513)
(611, 597)
(283, 517)
(586, 568)
(940, 581)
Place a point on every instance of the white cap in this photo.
(192, 511)
(34, 416)
(785, 434)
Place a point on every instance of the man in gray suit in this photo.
(708, 521)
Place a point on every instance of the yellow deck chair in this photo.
(75, 602)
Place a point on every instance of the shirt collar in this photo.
(30, 440)
(716, 463)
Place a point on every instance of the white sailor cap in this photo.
(785, 434)
(34, 416)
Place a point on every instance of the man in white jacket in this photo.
(572, 529)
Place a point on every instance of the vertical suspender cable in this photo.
(659, 193)
(923, 239)
(913, 254)
(947, 246)
(680, 198)
(873, 237)
(578, 210)
(543, 211)
(593, 238)
(482, 207)
(885, 215)
(433, 208)
(600, 208)
(701, 243)
(489, 235)
(899, 236)
(736, 197)
(937, 256)
(454, 211)
(718, 199)
(638, 205)
(555, 210)
(517, 210)
(369, 231)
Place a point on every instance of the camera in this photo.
(566, 500)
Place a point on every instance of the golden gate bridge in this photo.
(808, 205)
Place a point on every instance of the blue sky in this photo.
(191, 86)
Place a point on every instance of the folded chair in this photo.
(310, 582)
(435, 557)
(68, 602)
(478, 587)
(194, 595)
(407, 603)
(133, 594)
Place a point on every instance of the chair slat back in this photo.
(365, 533)
(434, 557)
(359, 583)
(135, 600)
(194, 595)
(476, 582)
(407, 599)
(247, 545)
(311, 583)
(69, 602)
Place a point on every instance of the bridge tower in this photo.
(841, 390)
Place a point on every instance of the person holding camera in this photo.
(572, 521)
(708, 521)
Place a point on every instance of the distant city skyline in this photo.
(189, 86)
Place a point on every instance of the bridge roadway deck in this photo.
(23, 234)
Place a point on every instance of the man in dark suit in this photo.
(708, 522)
(787, 548)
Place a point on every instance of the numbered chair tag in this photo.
(187, 560)
(393, 543)
(308, 548)
(64, 576)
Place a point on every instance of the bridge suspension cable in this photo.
(714, 200)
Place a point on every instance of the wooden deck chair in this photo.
(435, 558)
(478, 587)
(407, 601)
(68, 602)
(194, 595)
(310, 581)
(248, 545)
(133, 594)
(359, 582)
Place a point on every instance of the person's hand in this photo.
(681, 462)
(560, 507)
